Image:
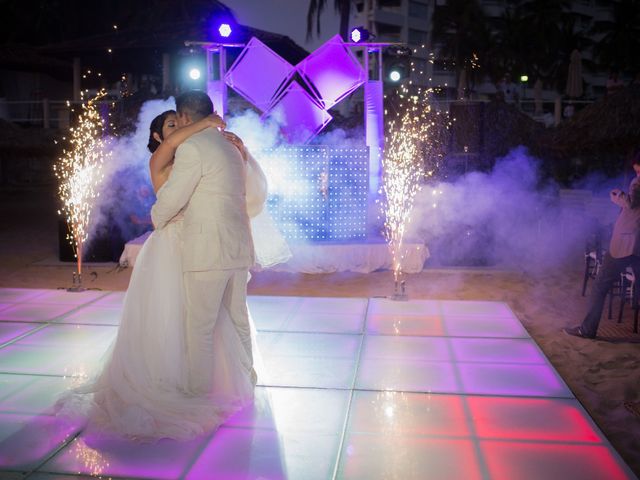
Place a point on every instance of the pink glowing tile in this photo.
(325, 323)
(94, 315)
(5, 305)
(384, 306)
(17, 295)
(28, 440)
(113, 299)
(408, 414)
(532, 461)
(389, 456)
(537, 419)
(69, 298)
(34, 312)
(345, 306)
(515, 380)
(295, 410)
(484, 326)
(10, 330)
(235, 453)
(418, 325)
(466, 308)
(493, 350)
(98, 454)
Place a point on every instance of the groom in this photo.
(208, 183)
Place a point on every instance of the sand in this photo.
(603, 373)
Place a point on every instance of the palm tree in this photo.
(460, 28)
(316, 7)
(619, 46)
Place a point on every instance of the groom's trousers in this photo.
(206, 294)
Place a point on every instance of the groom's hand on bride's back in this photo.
(215, 121)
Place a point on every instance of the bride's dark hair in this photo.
(156, 127)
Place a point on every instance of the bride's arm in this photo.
(165, 152)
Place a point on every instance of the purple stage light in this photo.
(359, 34)
(224, 29)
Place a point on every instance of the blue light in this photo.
(225, 30)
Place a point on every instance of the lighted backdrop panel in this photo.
(259, 74)
(320, 193)
(299, 116)
(332, 72)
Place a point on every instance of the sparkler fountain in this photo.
(79, 171)
(413, 152)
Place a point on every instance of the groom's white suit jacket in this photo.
(208, 182)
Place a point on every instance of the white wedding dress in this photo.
(143, 389)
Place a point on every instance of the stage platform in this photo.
(351, 388)
(325, 257)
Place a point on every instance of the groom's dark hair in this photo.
(195, 103)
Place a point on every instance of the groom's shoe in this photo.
(576, 332)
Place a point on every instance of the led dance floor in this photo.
(353, 388)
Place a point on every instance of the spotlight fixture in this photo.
(225, 30)
(194, 73)
(359, 34)
(395, 75)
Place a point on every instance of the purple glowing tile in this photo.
(258, 74)
(28, 440)
(295, 410)
(531, 419)
(69, 298)
(412, 325)
(512, 351)
(17, 295)
(5, 305)
(408, 414)
(113, 299)
(10, 330)
(299, 116)
(388, 456)
(255, 453)
(484, 326)
(529, 461)
(472, 308)
(99, 454)
(34, 312)
(384, 306)
(94, 315)
(332, 72)
(512, 380)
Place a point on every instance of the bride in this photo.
(143, 389)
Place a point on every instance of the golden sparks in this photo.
(79, 171)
